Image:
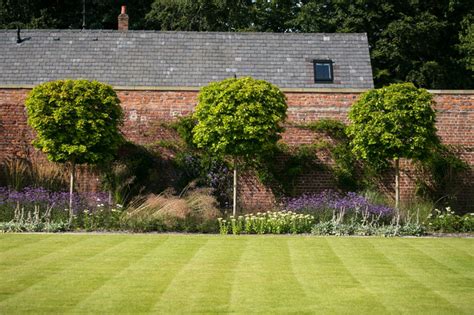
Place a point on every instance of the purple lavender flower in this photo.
(350, 202)
(29, 196)
(312, 202)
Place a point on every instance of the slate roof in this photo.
(181, 59)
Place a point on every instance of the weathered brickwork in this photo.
(145, 110)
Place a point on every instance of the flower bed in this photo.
(279, 222)
(329, 204)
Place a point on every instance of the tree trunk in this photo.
(397, 184)
(71, 190)
(234, 208)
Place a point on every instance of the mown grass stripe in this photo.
(451, 259)
(248, 274)
(454, 288)
(21, 276)
(461, 245)
(13, 258)
(17, 241)
(329, 285)
(136, 288)
(389, 284)
(335, 246)
(434, 261)
(264, 279)
(203, 286)
(466, 249)
(430, 292)
(60, 291)
(235, 277)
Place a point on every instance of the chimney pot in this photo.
(123, 20)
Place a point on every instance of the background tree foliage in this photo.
(429, 43)
(198, 15)
(466, 45)
(67, 14)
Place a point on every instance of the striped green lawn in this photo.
(246, 274)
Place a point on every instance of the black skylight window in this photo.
(323, 71)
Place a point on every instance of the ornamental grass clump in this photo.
(277, 222)
(195, 211)
(18, 173)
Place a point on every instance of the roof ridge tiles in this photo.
(179, 32)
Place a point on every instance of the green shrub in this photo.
(75, 120)
(239, 117)
(442, 168)
(467, 223)
(281, 176)
(184, 126)
(333, 128)
(131, 174)
(143, 225)
(449, 222)
(412, 229)
(100, 219)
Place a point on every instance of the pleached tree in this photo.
(239, 119)
(76, 122)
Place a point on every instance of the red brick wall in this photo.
(144, 110)
(15, 135)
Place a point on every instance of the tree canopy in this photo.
(75, 121)
(239, 117)
(424, 42)
(393, 122)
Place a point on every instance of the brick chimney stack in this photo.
(123, 20)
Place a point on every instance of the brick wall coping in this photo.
(289, 90)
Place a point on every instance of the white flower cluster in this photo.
(270, 222)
